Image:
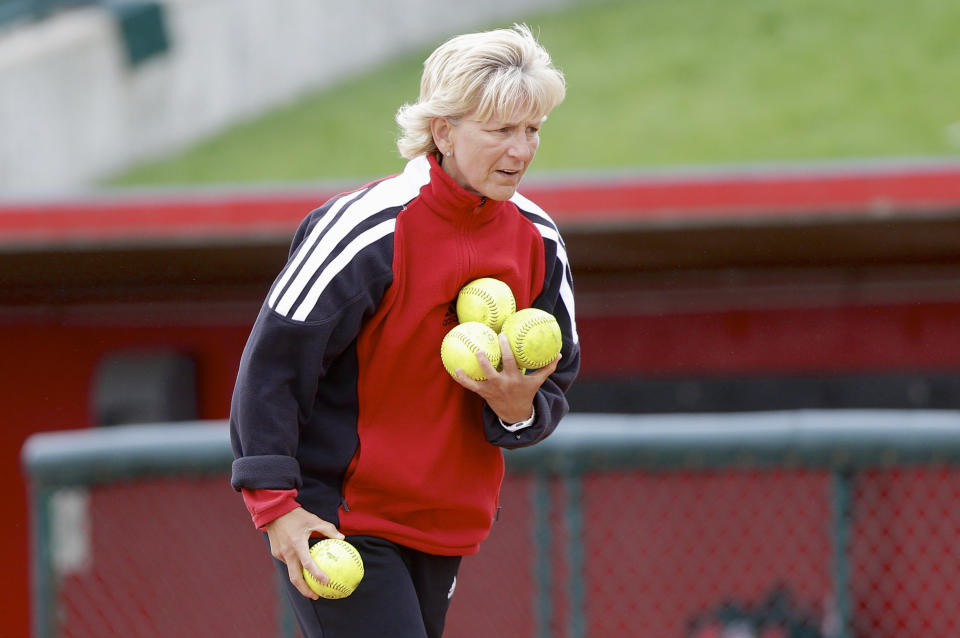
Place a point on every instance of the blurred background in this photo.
(761, 205)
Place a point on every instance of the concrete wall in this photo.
(72, 109)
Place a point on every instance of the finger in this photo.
(295, 573)
(544, 372)
(485, 366)
(506, 353)
(306, 559)
(466, 381)
(508, 362)
(327, 530)
(553, 365)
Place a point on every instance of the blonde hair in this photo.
(504, 74)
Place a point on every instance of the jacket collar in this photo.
(451, 201)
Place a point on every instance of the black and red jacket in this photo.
(341, 399)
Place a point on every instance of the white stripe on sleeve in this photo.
(338, 263)
(391, 192)
(566, 289)
(304, 249)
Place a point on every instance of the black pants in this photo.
(404, 594)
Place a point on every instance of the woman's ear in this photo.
(442, 130)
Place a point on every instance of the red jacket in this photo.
(341, 398)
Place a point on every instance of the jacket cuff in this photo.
(267, 471)
(266, 506)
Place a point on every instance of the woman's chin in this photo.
(500, 192)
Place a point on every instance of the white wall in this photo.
(72, 110)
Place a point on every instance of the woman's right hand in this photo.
(289, 537)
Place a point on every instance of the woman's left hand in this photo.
(510, 392)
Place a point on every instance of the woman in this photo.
(344, 421)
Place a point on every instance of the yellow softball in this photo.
(534, 337)
(486, 300)
(460, 346)
(339, 560)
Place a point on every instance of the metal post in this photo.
(43, 605)
(543, 569)
(575, 540)
(841, 534)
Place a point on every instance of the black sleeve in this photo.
(313, 312)
(550, 404)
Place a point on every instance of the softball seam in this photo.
(488, 299)
(467, 341)
(525, 328)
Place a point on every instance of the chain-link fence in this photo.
(765, 525)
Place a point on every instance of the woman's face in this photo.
(488, 158)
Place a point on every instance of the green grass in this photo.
(652, 83)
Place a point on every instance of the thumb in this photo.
(548, 369)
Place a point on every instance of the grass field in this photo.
(653, 83)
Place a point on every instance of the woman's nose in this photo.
(522, 148)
